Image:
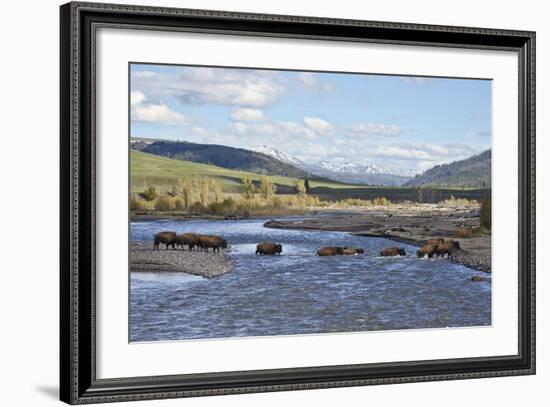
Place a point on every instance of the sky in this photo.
(393, 121)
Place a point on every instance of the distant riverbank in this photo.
(412, 225)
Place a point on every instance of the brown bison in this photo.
(188, 239)
(215, 242)
(427, 250)
(168, 238)
(350, 251)
(392, 251)
(446, 248)
(269, 248)
(330, 251)
(435, 241)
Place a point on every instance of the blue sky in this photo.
(393, 121)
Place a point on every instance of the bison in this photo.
(215, 242)
(188, 239)
(427, 250)
(269, 248)
(392, 251)
(330, 251)
(168, 238)
(446, 248)
(435, 241)
(350, 251)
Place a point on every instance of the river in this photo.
(299, 292)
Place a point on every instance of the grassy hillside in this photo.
(221, 156)
(163, 173)
(473, 172)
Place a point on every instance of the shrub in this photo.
(136, 204)
(163, 204)
(149, 194)
(485, 214)
(267, 187)
(179, 204)
(248, 187)
(216, 208)
(382, 201)
(198, 207)
(463, 232)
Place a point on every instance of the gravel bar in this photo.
(144, 258)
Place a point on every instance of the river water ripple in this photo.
(298, 292)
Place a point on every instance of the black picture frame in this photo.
(78, 382)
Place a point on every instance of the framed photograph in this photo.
(255, 203)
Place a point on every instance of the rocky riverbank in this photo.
(412, 225)
(144, 258)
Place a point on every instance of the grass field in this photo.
(163, 173)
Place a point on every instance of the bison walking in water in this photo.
(442, 248)
(351, 251)
(168, 238)
(215, 242)
(447, 248)
(269, 248)
(427, 250)
(188, 239)
(330, 251)
(392, 251)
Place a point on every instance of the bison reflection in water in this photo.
(268, 248)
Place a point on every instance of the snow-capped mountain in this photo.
(356, 173)
(355, 168)
(279, 155)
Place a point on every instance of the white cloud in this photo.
(136, 97)
(157, 113)
(153, 113)
(230, 87)
(143, 74)
(376, 129)
(319, 125)
(425, 153)
(248, 115)
(311, 82)
(308, 80)
(275, 131)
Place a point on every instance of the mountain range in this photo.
(473, 172)
(354, 173)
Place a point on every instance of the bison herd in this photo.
(433, 248)
(191, 240)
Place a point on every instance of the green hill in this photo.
(473, 172)
(220, 156)
(163, 173)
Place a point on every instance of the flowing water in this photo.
(299, 292)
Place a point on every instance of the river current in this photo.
(299, 292)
